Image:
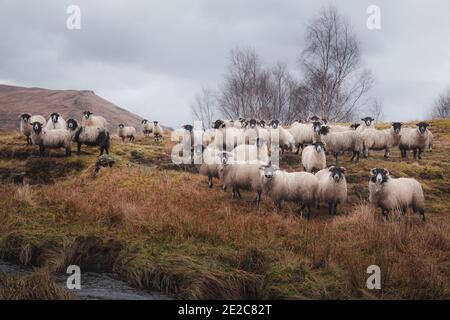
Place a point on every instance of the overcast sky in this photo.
(153, 57)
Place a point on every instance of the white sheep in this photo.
(299, 187)
(55, 121)
(212, 159)
(338, 142)
(90, 136)
(374, 139)
(146, 127)
(251, 153)
(313, 157)
(94, 121)
(239, 123)
(158, 131)
(38, 118)
(429, 142)
(241, 176)
(332, 187)
(415, 139)
(126, 132)
(367, 122)
(25, 126)
(227, 138)
(391, 194)
(285, 139)
(305, 133)
(45, 138)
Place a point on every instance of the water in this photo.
(94, 286)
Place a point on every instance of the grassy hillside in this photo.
(159, 227)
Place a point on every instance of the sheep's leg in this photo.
(68, 152)
(258, 197)
(210, 182)
(422, 214)
(278, 204)
(366, 152)
(224, 188)
(335, 208)
(78, 148)
(353, 155)
(308, 212)
(385, 214)
(420, 153)
(238, 193)
(297, 145)
(233, 192)
(386, 153)
(41, 150)
(357, 156)
(415, 153)
(335, 158)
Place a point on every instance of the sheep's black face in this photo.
(397, 126)
(37, 127)
(368, 121)
(317, 126)
(155, 123)
(224, 157)
(337, 173)
(188, 127)
(324, 130)
(422, 126)
(54, 116)
(319, 146)
(274, 123)
(217, 124)
(25, 117)
(262, 124)
(87, 114)
(325, 121)
(72, 124)
(242, 120)
(253, 123)
(300, 120)
(314, 118)
(121, 126)
(144, 121)
(379, 175)
(355, 126)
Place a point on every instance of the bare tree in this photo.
(375, 110)
(441, 106)
(204, 108)
(334, 77)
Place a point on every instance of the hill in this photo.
(69, 103)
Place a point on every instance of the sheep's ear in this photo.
(386, 172)
(331, 168)
(373, 171)
(343, 169)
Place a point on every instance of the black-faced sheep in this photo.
(391, 194)
(146, 127)
(55, 121)
(299, 187)
(367, 122)
(313, 157)
(126, 132)
(305, 133)
(157, 131)
(212, 159)
(57, 138)
(90, 136)
(25, 126)
(374, 139)
(332, 187)
(93, 121)
(415, 139)
(338, 142)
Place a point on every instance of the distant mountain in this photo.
(69, 103)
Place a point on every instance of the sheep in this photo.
(367, 122)
(55, 121)
(305, 134)
(285, 139)
(227, 138)
(429, 142)
(38, 118)
(90, 136)
(313, 157)
(241, 176)
(300, 187)
(45, 138)
(94, 121)
(239, 123)
(126, 132)
(414, 139)
(251, 153)
(146, 127)
(338, 142)
(157, 131)
(332, 187)
(25, 127)
(390, 193)
(374, 139)
(212, 159)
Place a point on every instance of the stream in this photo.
(94, 286)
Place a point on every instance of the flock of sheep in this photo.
(55, 132)
(239, 153)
